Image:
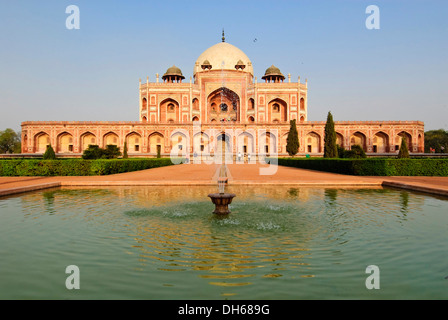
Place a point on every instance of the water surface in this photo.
(278, 243)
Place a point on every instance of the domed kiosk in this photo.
(273, 74)
(173, 74)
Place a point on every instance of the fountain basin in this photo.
(221, 202)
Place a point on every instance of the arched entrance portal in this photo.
(380, 142)
(224, 105)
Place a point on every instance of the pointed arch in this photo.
(340, 139)
(195, 104)
(224, 104)
(111, 138)
(358, 138)
(41, 142)
(284, 142)
(64, 143)
(421, 142)
(134, 142)
(224, 145)
(246, 142)
(86, 139)
(313, 142)
(169, 110)
(201, 143)
(302, 104)
(380, 142)
(267, 143)
(400, 136)
(179, 141)
(156, 143)
(277, 110)
(251, 104)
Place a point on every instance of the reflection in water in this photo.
(293, 192)
(404, 200)
(49, 202)
(330, 196)
(220, 248)
(168, 236)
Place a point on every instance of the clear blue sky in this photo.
(399, 72)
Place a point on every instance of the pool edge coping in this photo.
(384, 183)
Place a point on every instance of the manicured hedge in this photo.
(77, 167)
(372, 167)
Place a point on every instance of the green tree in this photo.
(436, 140)
(356, 152)
(292, 142)
(49, 153)
(95, 152)
(330, 148)
(10, 141)
(92, 152)
(403, 152)
(111, 152)
(341, 151)
(125, 150)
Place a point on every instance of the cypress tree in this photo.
(125, 150)
(403, 152)
(292, 142)
(330, 147)
(49, 153)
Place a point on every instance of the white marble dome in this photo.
(224, 56)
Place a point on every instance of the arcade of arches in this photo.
(142, 142)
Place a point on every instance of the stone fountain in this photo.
(222, 199)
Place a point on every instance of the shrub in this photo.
(95, 152)
(49, 153)
(372, 167)
(356, 152)
(77, 167)
(341, 151)
(92, 152)
(111, 152)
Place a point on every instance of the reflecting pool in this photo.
(278, 243)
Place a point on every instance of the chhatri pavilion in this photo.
(222, 105)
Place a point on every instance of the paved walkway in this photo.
(242, 174)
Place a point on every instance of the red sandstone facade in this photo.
(230, 109)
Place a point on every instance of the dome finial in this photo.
(223, 38)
